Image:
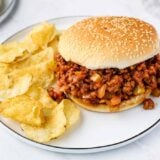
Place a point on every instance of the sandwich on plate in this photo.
(108, 64)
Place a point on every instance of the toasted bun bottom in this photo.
(128, 104)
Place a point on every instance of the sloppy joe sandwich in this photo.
(108, 64)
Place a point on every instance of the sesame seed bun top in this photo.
(109, 42)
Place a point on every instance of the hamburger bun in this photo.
(109, 42)
(125, 105)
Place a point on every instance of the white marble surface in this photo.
(31, 11)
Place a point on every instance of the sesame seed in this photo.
(117, 35)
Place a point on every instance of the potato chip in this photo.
(5, 81)
(9, 52)
(41, 35)
(26, 72)
(20, 85)
(28, 44)
(23, 109)
(62, 116)
(45, 55)
(4, 68)
(40, 94)
(42, 56)
(54, 43)
(71, 112)
(42, 74)
(25, 55)
(40, 66)
(38, 38)
(52, 128)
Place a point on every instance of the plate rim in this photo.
(48, 20)
(71, 148)
(84, 148)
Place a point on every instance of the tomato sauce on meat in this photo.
(107, 86)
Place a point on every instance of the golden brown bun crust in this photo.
(125, 105)
(109, 42)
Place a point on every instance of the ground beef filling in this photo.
(107, 86)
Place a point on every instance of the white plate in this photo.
(95, 131)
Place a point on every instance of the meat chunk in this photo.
(107, 86)
(56, 95)
(156, 92)
(148, 104)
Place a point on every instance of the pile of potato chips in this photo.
(26, 72)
